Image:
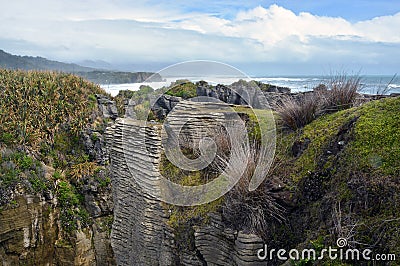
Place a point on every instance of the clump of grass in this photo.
(244, 209)
(341, 94)
(251, 210)
(295, 114)
(82, 170)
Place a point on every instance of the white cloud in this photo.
(380, 29)
(274, 24)
(139, 32)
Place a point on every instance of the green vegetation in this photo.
(373, 146)
(319, 133)
(117, 77)
(42, 118)
(18, 166)
(71, 210)
(342, 169)
(255, 119)
(140, 97)
(104, 181)
(183, 88)
(35, 105)
(376, 142)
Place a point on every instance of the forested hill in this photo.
(10, 61)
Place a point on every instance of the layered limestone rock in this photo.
(140, 233)
(220, 245)
(29, 235)
(27, 232)
(197, 120)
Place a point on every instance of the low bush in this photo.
(71, 208)
(19, 166)
(82, 170)
(184, 89)
(35, 105)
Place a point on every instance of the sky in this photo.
(295, 37)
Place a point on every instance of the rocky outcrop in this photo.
(163, 104)
(141, 234)
(220, 245)
(28, 231)
(129, 108)
(239, 93)
(30, 235)
(107, 108)
(80, 252)
(93, 142)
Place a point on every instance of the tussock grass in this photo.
(294, 114)
(340, 94)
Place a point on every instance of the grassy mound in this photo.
(342, 172)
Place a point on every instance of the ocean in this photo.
(369, 84)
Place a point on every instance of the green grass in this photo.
(373, 146)
(362, 176)
(320, 132)
(376, 145)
